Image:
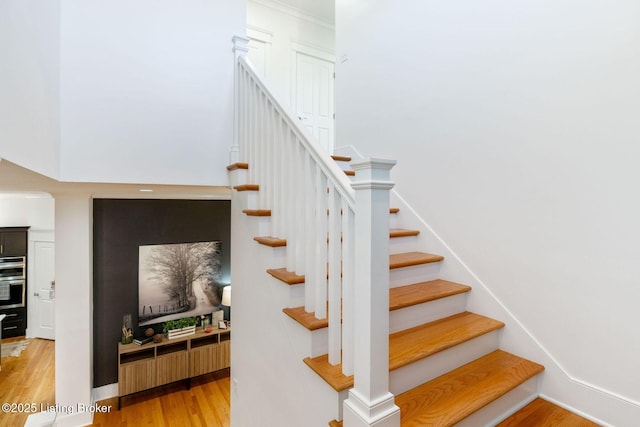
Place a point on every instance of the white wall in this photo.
(147, 90)
(19, 210)
(74, 307)
(29, 76)
(516, 133)
(285, 29)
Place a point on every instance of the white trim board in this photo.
(297, 13)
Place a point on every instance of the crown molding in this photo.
(295, 12)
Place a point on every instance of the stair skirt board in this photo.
(414, 374)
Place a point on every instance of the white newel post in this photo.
(370, 403)
(240, 48)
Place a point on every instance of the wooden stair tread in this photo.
(335, 423)
(274, 242)
(341, 158)
(287, 277)
(414, 344)
(409, 259)
(455, 395)
(399, 297)
(418, 293)
(349, 172)
(247, 187)
(394, 210)
(401, 232)
(257, 212)
(306, 319)
(422, 341)
(238, 165)
(544, 413)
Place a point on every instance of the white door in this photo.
(314, 97)
(43, 290)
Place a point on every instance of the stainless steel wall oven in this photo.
(12, 282)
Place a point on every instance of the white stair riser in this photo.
(414, 274)
(504, 406)
(419, 314)
(405, 244)
(307, 343)
(238, 177)
(415, 374)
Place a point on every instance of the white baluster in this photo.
(334, 265)
(290, 193)
(320, 268)
(251, 146)
(348, 254)
(310, 243)
(301, 229)
(276, 211)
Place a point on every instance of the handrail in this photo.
(329, 166)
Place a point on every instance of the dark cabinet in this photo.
(13, 241)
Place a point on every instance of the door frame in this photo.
(35, 236)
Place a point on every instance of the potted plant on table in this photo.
(180, 327)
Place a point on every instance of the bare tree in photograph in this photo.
(174, 270)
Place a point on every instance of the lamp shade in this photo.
(226, 296)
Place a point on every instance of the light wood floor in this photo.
(28, 378)
(206, 404)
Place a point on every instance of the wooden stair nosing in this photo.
(237, 165)
(452, 397)
(409, 259)
(394, 210)
(411, 345)
(257, 212)
(247, 187)
(399, 297)
(288, 277)
(305, 318)
(335, 423)
(341, 158)
(401, 232)
(349, 172)
(541, 412)
(274, 242)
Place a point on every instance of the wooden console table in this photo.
(141, 367)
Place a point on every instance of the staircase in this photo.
(445, 365)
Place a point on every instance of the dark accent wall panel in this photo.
(120, 226)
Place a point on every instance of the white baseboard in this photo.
(105, 392)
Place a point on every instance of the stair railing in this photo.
(332, 227)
